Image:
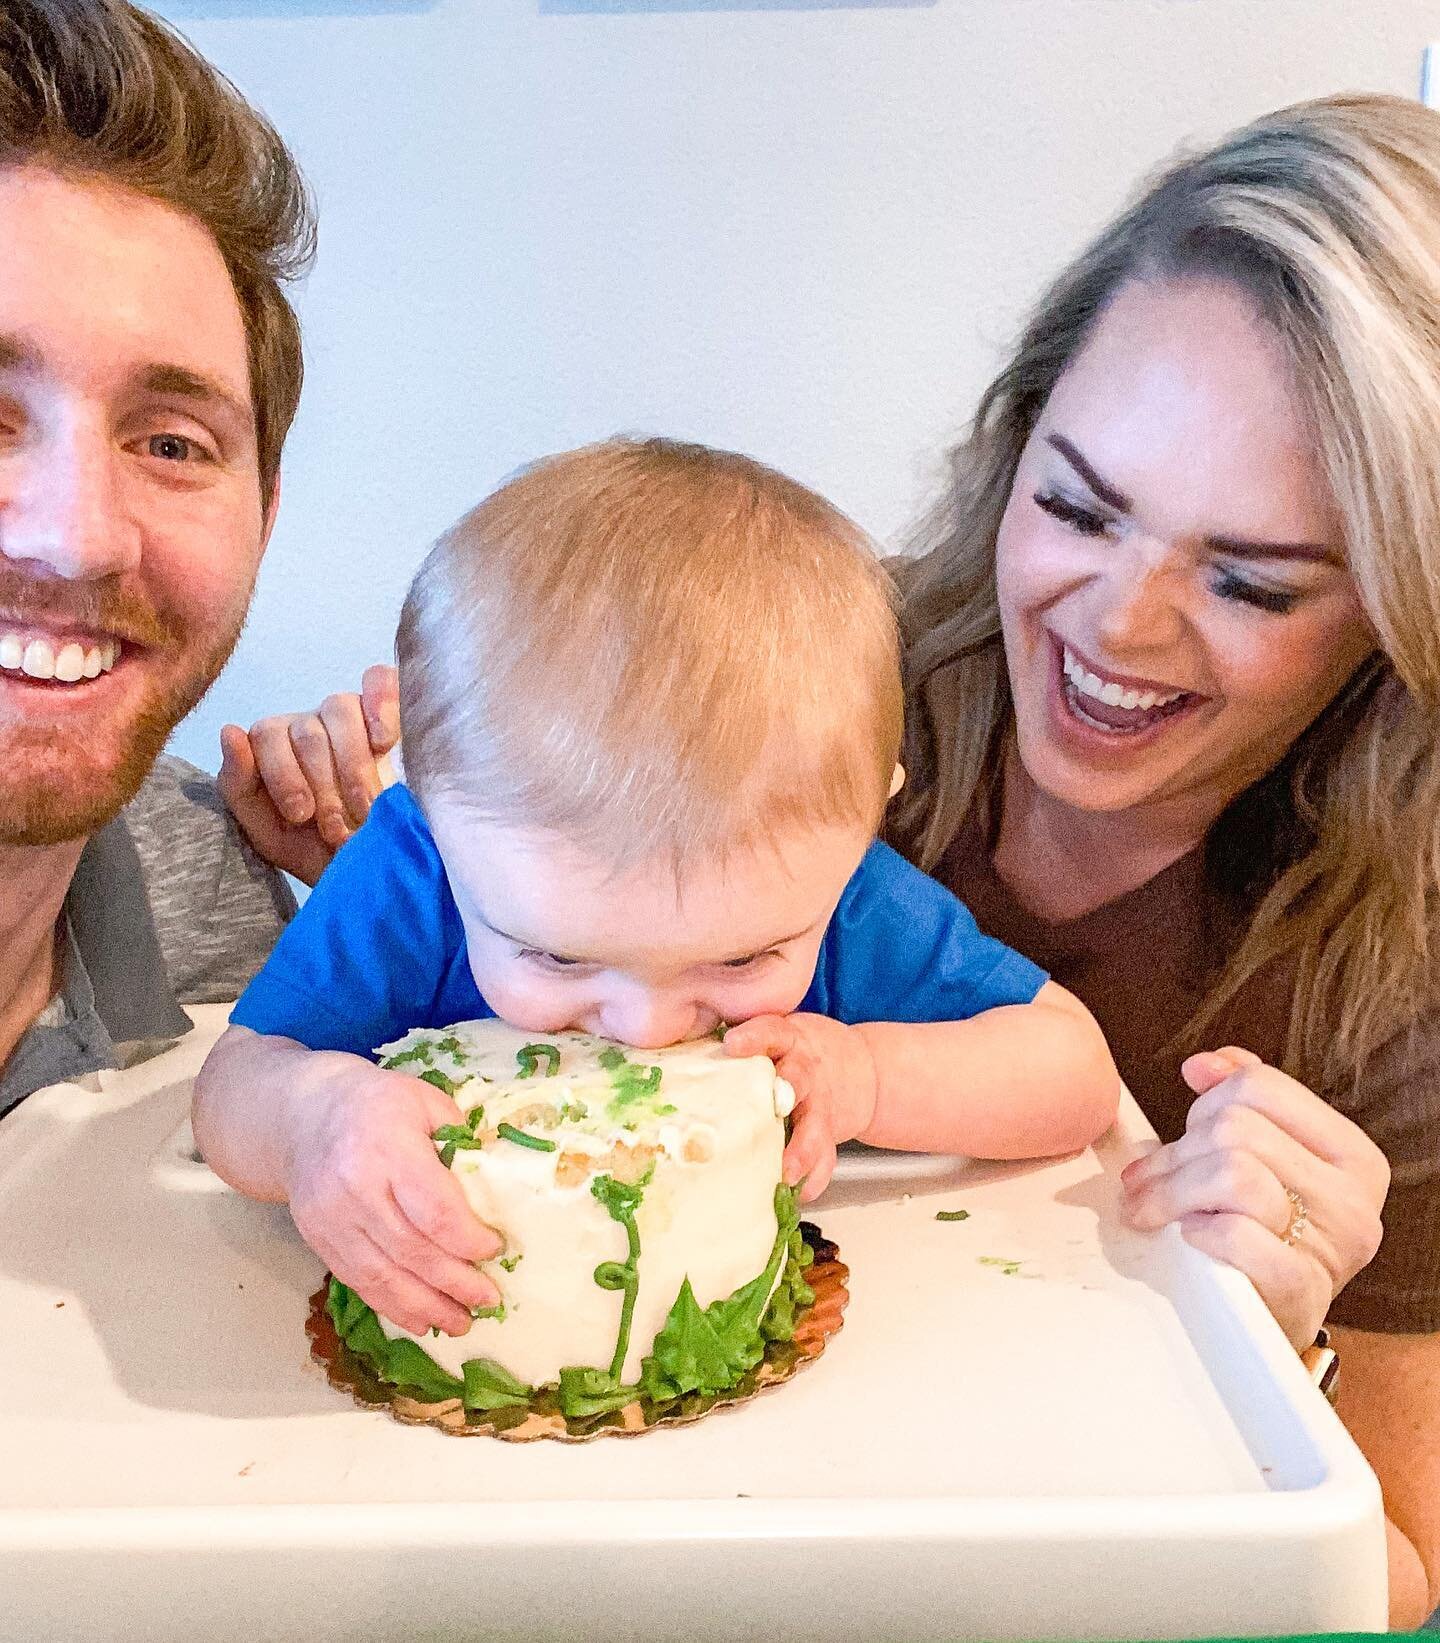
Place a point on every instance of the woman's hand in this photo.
(832, 1071)
(368, 1193)
(1253, 1136)
(299, 784)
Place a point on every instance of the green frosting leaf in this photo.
(439, 1080)
(401, 1362)
(407, 1365)
(709, 1350)
(488, 1385)
(592, 1392)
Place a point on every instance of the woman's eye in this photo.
(173, 448)
(1084, 521)
(1276, 600)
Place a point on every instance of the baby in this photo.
(651, 708)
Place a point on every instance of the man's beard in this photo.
(63, 780)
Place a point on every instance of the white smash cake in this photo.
(650, 1247)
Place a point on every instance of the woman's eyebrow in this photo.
(1235, 547)
(1106, 492)
(1239, 547)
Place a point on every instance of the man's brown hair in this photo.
(99, 89)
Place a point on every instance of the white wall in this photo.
(802, 230)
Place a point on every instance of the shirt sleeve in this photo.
(902, 948)
(377, 948)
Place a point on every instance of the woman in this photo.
(1174, 649)
(1174, 653)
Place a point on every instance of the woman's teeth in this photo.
(1107, 705)
(66, 664)
(1113, 695)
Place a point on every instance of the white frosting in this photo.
(712, 1133)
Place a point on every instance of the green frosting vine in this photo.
(620, 1199)
(697, 1350)
(528, 1058)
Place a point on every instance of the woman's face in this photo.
(1173, 596)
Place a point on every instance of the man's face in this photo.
(131, 518)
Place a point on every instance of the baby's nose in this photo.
(650, 1023)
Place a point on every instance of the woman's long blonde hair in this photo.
(1328, 215)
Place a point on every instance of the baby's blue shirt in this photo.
(379, 948)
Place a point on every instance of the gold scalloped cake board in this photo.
(541, 1417)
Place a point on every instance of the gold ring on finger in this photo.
(1299, 1218)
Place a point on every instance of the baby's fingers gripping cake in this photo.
(650, 1250)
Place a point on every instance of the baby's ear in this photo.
(897, 781)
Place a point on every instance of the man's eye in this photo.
(173, 448)
(1084, 521)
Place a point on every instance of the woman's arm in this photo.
(1390, 1401)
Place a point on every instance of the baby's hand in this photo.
(370, 1196)
(832, 1071)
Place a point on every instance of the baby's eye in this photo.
(749, 960)
(1084, 521)
(549, 961)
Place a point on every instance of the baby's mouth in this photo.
(1109, 705)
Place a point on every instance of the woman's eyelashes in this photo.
(1278, 601)
(1079, 518)
(1226, 584)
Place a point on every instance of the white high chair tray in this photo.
(1034, 1423)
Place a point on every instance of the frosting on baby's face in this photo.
(558, 939)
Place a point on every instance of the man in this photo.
(149, 371)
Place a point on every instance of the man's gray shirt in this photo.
(168, 906)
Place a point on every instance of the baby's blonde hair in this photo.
(653, 648)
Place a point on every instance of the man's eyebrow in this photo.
(179, 381)
(1105, 491)
(183, 383)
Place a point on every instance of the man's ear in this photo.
(897, 781)
(272, 507)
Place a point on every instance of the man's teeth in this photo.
(1114, 695)
(68, 663)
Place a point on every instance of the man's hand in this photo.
(299, 784)
(832, 1071)
(370, 1196)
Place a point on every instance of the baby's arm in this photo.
(348, 1146)
(1015, 1081)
